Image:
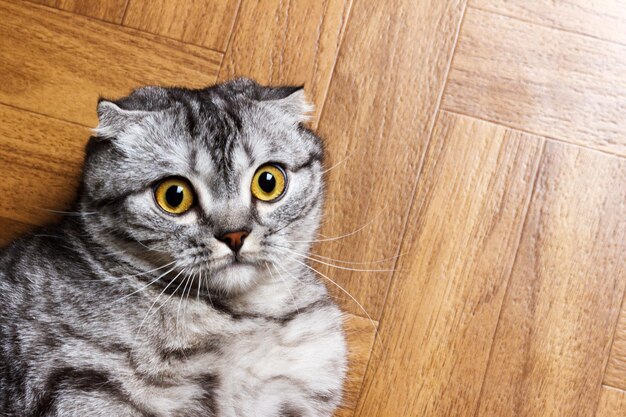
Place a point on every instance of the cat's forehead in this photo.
(219, 133)
(220, 140)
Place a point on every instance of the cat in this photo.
(178, 285)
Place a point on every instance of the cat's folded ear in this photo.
(112, 119)
(291, 100)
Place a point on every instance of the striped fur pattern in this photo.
(124, 310)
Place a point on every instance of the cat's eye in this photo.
(269, 182)
(174, 195)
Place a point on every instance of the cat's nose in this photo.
(234, 240)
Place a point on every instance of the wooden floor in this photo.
(477, 147)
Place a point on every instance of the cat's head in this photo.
(219, 181)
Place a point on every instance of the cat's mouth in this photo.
(229, 261)
(236, 261)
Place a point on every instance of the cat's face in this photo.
(218, 182)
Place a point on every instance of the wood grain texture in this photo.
(200, 22)
(615, 374)
(377, 120)
(108, 10)
(562, 304)
(556, 84)
(360, 333)
(83, 59)
(604, 19)
(287, 43)
(445, 299)
(41, 159)
(612, 403)
(11, 229)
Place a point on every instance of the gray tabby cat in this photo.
(179, 289)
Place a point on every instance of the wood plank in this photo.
(108, 10)
(40, 163)
(553, 339)
(57, 64)
(201, 22)
(34, 193)
(379, 113)
(290, 43)
(445, 299)
(612, 403)
(35, 141)
(11, 229)
(604, 19)
(360, 333)
(615, 374)
(557, 84)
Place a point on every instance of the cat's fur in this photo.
(123, 310)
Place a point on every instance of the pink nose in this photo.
(234, 240)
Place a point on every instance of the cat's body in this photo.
(126, 311)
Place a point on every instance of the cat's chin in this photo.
(234, 278)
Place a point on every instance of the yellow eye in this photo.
(174, 195)
(269, 183)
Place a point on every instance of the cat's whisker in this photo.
(153, 304)
(149, 248)
(148, 315)
(53, 236)
(321, 222)
(191, 280)
(377, 261)
(278, 264)
(137, 274)
(58, 237)
(147, 272)
(108, 232)
(157, 299)
(182, 295)
(145, 286)
(198, 284)
(289, 223)
(341, 261)
(339, 237)
(118, 253)
(281, 228)
(337, 164)
(205, 279)
(345, 292)
(186, 304)
(68, 213)
(336, 266)
(114, 253)
(295, 304)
